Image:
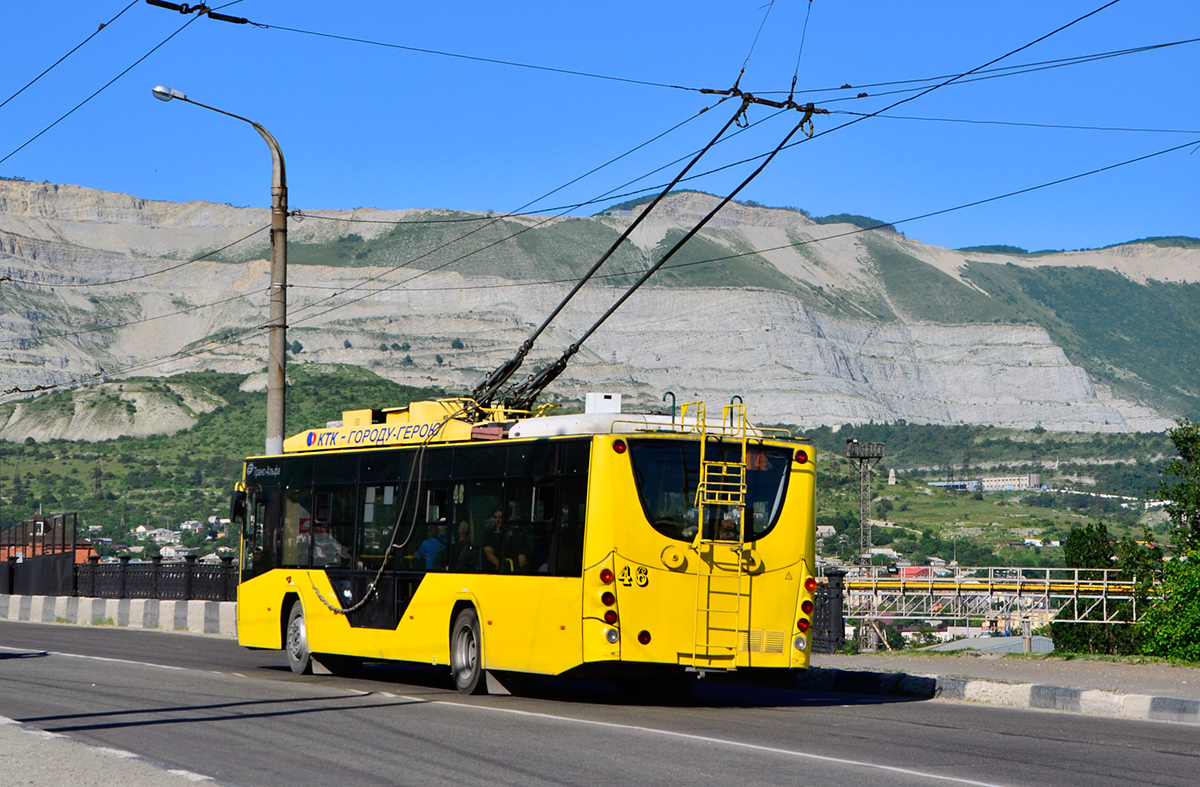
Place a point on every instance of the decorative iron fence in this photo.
(186, 580)
(829, 624)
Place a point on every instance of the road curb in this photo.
(1087, 702)
(218, 618)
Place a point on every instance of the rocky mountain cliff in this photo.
(810, 323)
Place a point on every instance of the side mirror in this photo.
(237, 508)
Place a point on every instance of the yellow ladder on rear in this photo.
(721, 583)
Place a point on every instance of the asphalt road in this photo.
(210, 707)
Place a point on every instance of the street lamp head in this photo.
(164, 93)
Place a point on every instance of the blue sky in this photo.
(373, 126)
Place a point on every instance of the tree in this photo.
(1088, 547)
(457, 344)
(1171, 627)
(1183, 494)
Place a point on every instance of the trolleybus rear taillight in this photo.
(644, 637)
(801, 456)
(608, 598)
(806, 607)
(610, 616)
(802, 624)
(810, 584)
(619, 446)
(606, 576)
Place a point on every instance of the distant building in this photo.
(892, 477)
(826, 531)
(1011, 483)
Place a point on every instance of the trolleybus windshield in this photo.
(667, 475)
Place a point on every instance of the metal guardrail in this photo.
(1065, 595)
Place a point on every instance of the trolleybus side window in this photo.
(379, 509)
(297, 528)
(333, 526)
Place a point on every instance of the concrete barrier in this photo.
(1087, 702)
(217, 618)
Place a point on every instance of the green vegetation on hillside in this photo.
(929, 294)
(1141, 338)
(979, 528)
(163, 480)
(996, 249)
(862, 222)
(1163, 241)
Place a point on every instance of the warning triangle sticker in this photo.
(789, 575)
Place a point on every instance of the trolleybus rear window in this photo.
(667, 474)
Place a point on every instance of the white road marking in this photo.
(715, 741)
(96, 658)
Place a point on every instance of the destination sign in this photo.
(360, 437)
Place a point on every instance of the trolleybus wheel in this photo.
(296, 646)
(466, 653)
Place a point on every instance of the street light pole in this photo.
(277, 336)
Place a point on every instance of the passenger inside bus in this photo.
(463, 555)
(433, 549)
(505, 550)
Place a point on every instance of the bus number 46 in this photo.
(641, 577)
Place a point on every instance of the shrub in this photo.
(1171, 627)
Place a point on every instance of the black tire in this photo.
(295, 643)
(466, 653)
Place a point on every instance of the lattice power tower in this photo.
(862, 456)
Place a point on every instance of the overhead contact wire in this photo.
(1013, 70)
(106, 85)
(78, 46)
(478, 59)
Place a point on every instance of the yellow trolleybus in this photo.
(606, 543)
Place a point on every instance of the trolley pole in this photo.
(277, 325)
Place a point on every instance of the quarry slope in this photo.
(810, 323)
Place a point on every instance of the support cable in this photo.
(800, 53)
